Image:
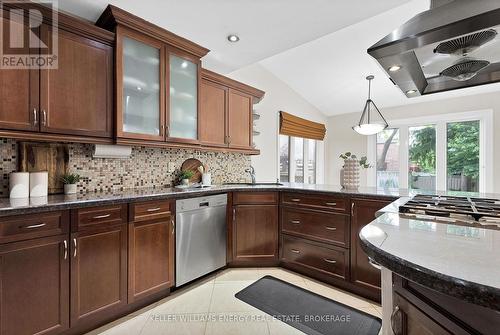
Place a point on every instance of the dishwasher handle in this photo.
(204, 204)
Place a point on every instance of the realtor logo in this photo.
(29, 34)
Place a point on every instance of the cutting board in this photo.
(50, 157)
(192, 164)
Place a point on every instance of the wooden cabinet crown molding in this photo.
(113, 16)
(231, 83)
(68, 22)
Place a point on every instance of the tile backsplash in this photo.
(147, 167)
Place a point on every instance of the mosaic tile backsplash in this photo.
(147, 167)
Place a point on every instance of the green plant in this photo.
(363, 161)
(186, 174)
(70, 178)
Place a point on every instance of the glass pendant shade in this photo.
(372, 121)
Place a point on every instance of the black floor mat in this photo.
(311, 313)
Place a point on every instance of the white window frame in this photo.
(291, 158)
(485, 118)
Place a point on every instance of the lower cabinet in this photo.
(255, 229)
(34, 286)
(98, 272)
(151, 253)
(363, 273)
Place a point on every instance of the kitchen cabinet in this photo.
(34, 274)
(72, 101)
(184, 71)
(98, 255)
(76, 98)
(363, 273)
(255, 228)
(240, 123)
(151, 253)
(213, 110)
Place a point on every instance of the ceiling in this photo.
(330, 71)
(265, 27)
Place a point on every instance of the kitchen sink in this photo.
(255, 184)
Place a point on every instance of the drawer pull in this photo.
(295, 221)
(101, 216)
(331, 261)
(35, 226)
(331, 204)
(330, 228)
(295, 200)
(295, 251)
(374, 264)
(153, 209)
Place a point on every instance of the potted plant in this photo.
(349, 174)
(70, 180)
(185, 175)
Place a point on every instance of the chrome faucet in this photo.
(251, 170)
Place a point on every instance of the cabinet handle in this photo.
(101, 216)
(35, 226)
(153, 209)
(330, 228)
(234, 214)
(331, 261)
(396, 310)
(44, 117)
(65, 249)
(74, 245)
(35, 117)
(352, 209)
(295, 251)
(173, 225)
(374, 264)
(295, 221)
(167, 131)
(295, 200)
(331, 204)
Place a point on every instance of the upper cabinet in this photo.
(73, 101)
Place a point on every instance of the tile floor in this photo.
(209, 307)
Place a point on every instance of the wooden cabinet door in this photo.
(34, 286)
(240, 120)
(255, 234)
(213, 109)
(76, 98)
(18, 89)
(151, 257)
(98, 273)
(362, 272)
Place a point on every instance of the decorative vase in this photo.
(69, 188)
(185, 181)
(350, 174)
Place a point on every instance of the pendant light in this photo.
(367, 124)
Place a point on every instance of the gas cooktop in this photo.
(465, 210)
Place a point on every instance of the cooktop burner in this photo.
(471, 210)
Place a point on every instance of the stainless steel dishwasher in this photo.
(200, 237)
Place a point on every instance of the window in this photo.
(444, 152)
(297, 159)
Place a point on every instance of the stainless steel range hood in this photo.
(453, 45)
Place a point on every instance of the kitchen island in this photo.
(446, 277)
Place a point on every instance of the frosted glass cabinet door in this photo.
(141, 88)
(183, 117)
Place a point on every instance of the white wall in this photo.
(279, 97)
(342, 138)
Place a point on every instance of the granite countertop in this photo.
(460, 261)
(59, 202)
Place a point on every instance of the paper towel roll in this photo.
(39, 184)
(19, 184)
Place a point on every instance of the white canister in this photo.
(39, 184)
(19, 185)
(206, 179)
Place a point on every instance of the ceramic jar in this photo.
(349, 175)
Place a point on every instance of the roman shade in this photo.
(292, 125)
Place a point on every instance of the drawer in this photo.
(327, 259)
(96, 217)
(150, 210)
(25, 227)
(319, 201)
(255, 198)
(326, 227)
